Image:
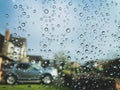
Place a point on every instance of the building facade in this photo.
(13, 48)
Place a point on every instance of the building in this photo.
(13, 48)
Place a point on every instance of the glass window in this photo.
(23, 66)
(80, 39)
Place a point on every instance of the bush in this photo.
(112, 68)
(85, 83)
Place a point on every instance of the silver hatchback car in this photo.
(29, 73)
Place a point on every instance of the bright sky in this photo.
(83, 29)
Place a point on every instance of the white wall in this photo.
(16, 53)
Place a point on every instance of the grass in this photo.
(32, 87)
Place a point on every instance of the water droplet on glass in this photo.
(28, 35)
(70, 3)
(34, 11)
(46, 11)
(75, 9)
(86, 50)
(15, 6)
(6, 15)
(96, 12)
(107, 14)
(69, 57)
(29, 49)
(78, 52)
(46, 28)
(81, 14)
(23, 13)
(44, 45)
(19, 28)
(14, 53)
(81, 35)
(23, 24)
(28, 16)
(20, 6)
(58, 25)
(60, 8)
(68, 30)
(12, 48)
(103, 32)
(86, 45)
(49, 50)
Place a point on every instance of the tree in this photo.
(61, 60)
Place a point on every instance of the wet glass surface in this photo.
(77, 40)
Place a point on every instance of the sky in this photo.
(82, 29)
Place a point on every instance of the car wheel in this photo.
(11, 80)
(47, 79)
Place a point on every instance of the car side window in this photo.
(23, 66)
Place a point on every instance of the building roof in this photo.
(35, 57)
(17, 41)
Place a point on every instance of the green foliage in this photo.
(61, 61)
(68, 72)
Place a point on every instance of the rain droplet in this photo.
(60, 8)
(28, 16)
(107, 14)
(70, 3)
(119, 27)
(28, 35)
(23, 24)
(81, 14)
(6, 15)
(75, 9)
(34, 11)
(58, 25)
(46, 28)
(14, 53)
(86, 45)
(78, 52)
(49, 50)
(19, 28)
(103, 32)
(15, 6)
(68, 30)
(81, 35)
(46, 11)
(91, 0)
(44, 45)
(23, 13)
(69, 57)
(12, 48)
(41, 19)
(86, 50)
(20, 6)
(96, 12)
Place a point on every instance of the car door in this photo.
(33, 73)
(21, 71)
(26, 72)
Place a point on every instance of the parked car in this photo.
(26, 72)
